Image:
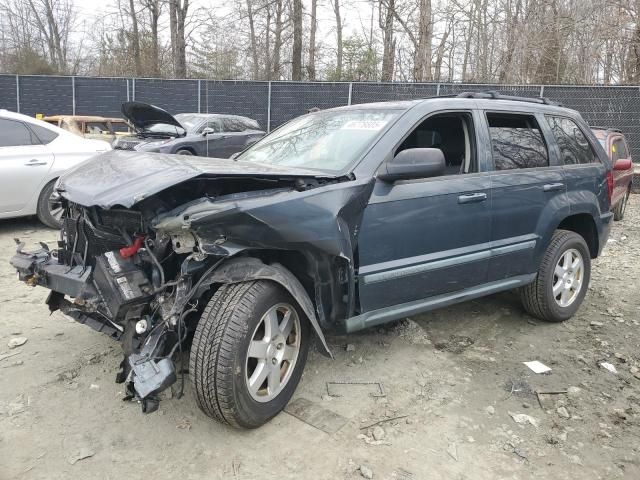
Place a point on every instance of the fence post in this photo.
(438, 89)
(127, 81)
(18, 93)
(542, 90)
(73, 95)
(350, 91)
(199, 96)
(269, 109)
(133, 89)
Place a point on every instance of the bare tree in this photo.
(336, 10)
(178, 10)
(296, 56)
(386, 9)
(311, 64)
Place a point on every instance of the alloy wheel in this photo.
(272, 352)
(568, 277)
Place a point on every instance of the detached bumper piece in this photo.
(151, 372)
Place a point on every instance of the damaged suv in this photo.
(339, 220)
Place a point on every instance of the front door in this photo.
(421, 238)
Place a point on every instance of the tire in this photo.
(48, 212)
(184, 151)
(220, 364)
(538, 297)
(621, 207)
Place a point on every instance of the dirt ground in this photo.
(455, 376)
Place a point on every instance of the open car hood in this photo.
(125, 178)
(142, 115)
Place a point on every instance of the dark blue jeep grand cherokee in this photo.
(341, 219)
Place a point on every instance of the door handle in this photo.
(35, 162)
(551, 187)
(472, 197)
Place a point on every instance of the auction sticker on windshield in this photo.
(364, 125)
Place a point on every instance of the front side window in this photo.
(574, 146)
(14, 134)
(619, 149)
(212, 124)
(517, 142)
(453, 134)
(329, 140)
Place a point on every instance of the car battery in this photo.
(121, 283)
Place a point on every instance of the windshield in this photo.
(330, 140)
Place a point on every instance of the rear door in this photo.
(527, 187)
(24, 164)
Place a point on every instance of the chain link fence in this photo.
(274, 103)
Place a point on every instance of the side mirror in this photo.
(622, 164)
(208, 131)
(413, 163)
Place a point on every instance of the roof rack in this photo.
(610, 129)
(494, 95)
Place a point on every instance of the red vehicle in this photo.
(615, 144)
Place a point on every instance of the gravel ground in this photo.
(468, 404)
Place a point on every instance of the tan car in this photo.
(99, 128)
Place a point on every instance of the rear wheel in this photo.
(618, 211)
(562, 281)
(49, 210)
(248, 353)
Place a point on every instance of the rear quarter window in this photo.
(44, 134)
(574, 147)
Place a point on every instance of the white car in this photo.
(33, 154)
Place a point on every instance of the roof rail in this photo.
(610, 129)
(494, 95)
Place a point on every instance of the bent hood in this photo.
(126, 178)
(142, 115)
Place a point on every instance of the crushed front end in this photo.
(111, 271)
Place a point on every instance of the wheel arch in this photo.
(243, 269)
(584, 225)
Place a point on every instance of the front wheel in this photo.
(184, 151)
(248, 353)
(562, 280)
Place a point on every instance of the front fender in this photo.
(238, 270)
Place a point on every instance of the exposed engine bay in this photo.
(143, 273)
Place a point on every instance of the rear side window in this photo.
(574, 146)
(516, 142)
(230, 124)
(44, 134)
(619, 149)
(14, 134)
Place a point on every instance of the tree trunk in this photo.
(422, 54)
(296, 60)
(311, 65)
(135, 38)
(277, 42)
(336, 10)
(252, 39)
(178, 10)
(388, 42)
